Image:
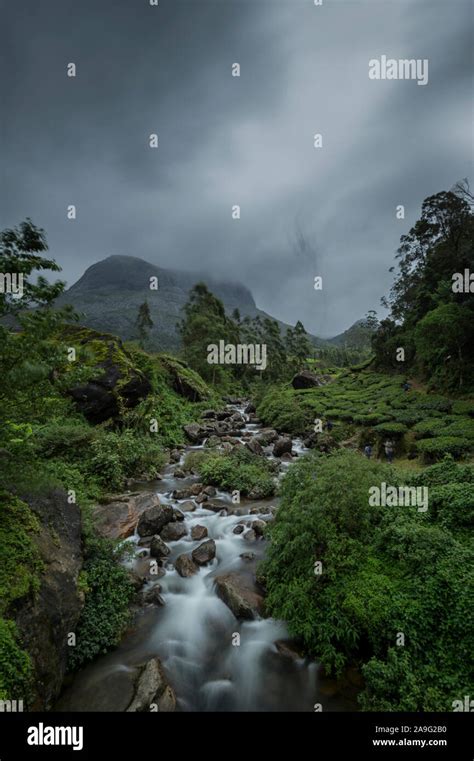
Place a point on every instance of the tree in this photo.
(144, 322)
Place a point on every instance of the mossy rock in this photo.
(103, 382)
(185, 381)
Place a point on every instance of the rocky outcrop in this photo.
(152, 691)
(45, 620)
(240, 594)
(306, 379)
(117, 518)
(114, 383)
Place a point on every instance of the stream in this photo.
(195, 633)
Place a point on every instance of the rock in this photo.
(267, 436)
(182, 493)
(136, 580)
(158, 549)
(259, 527)
(45, 618)
(215, 505)
(260, 511)
(179, 473)
(154, 519)
(188, 507)
(240, 594)
(198, 532)
(194, 432)
(175, 456)
(205, 552)
(286, 457)
(201, 498)
(248, 556)
(250, 536)
(185, 565)
(306, 379)
(250, 409)
(212, 441)
(172, 532)
(287, 649)
(208, 414)
(254, 446)
(114, 383)
(210, 491)
(178, 515)
(281, 446)
(238, 529)
(152, 690)
(119, 515)
(223, 414)
(196, 489)
(152, 596)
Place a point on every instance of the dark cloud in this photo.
(226, 141)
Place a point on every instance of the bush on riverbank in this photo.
(386, 572)
(239, 470)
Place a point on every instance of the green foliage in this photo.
(16, 672)
(384, 571)
(106, 609)
(240, 469)
(437, 448)
(20, 571)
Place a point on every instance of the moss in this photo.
(16, 671)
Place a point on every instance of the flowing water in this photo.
(213, 661)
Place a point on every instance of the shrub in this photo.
(241, 470)
(437, 448)
(106, 609)
(16, 672)
(391, 429)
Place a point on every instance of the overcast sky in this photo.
(225, 140)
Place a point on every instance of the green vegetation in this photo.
(239, 469)
(385, 571)
(135, 406)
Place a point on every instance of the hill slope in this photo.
(109, 293)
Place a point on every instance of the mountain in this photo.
(356, 337)
(109, 293)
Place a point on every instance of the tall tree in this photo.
(144, 322)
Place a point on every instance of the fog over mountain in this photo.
(225, 141)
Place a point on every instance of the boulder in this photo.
(248, 556)
(178, 515)
(188, 507)
(240, 594)
(210, 491)
(172, 532)
(184, 493)
(250, 535)
(198, 532)
(152, 691)
(185, 565)
(267, 436)
(259, 527)
(158, 549)
(179, 473)
(205, 552)
(154, 519)
(208, 414)
(254, 446)
(118, 518)
(238, 529)
(282, 445)
(152, 596)
(306, 379)
(250, 409)
(196, 489)
(194, 432)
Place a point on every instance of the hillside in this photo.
(109, 293)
